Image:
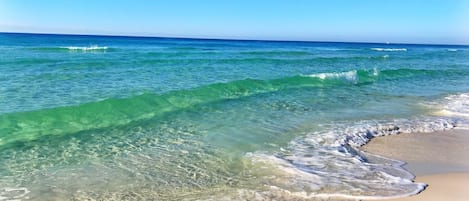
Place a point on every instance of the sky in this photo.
(395, 21)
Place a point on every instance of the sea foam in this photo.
(320, 163)
(16, 193)
(327, 163)
(456, 105)
(389, 49)
(349, 75)
(90, 48)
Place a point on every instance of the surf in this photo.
(24, 126)
(29, 125)
(389, 49)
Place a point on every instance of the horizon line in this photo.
(226, 39)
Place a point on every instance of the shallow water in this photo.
(183, 119)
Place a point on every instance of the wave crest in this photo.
(25, 126)
(90, 48)
(389, 49)
(349, 76)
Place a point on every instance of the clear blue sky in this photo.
(409, 21)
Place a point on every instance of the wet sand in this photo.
(439, 159)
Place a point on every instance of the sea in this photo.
(145, 118)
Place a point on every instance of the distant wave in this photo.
(71, 48)
(90, 48)
(452, 50)
(389, 49)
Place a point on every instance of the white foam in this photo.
(456, 106)
(376, 71)
(90, 48)
(16, 193)
(388, 49)
(351, 76)
(327, 164)
(360, 134)
(452, 50)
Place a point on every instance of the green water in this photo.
(121, 118)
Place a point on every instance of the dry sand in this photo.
(439, 159)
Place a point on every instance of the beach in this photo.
(439, 159)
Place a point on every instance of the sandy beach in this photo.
(439, 159)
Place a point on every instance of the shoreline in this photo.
(439, 159)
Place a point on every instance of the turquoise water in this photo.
(122, 118)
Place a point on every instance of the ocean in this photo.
(139, 118)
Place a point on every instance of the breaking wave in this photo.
(90, 48)
(327, 163)
(25, 126)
